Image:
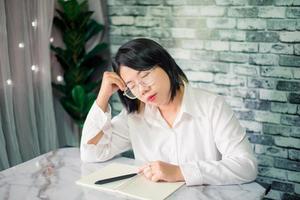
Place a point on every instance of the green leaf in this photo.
(78, 96)
(72, 109)
(83, 19)
(93, 28)
(96, 50)
(88, 87)
(71, 9)
(58, 23)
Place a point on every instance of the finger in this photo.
(155, 178)
(118, 83)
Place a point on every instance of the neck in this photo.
(173, 106)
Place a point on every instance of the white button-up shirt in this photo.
(206, 140)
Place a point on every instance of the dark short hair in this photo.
(143, 54)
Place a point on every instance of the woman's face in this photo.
(151, 86)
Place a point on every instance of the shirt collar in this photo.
(189, 106)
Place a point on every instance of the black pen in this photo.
(116, 178)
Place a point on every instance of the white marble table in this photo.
(53, 176)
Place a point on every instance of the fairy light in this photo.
(34, 23)
(9, 82)
(51, 40)
(59, 78)
(21, 45)
(34, 68)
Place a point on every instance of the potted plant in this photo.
(77, 91)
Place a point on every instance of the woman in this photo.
(180, 133)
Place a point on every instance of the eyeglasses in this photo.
(147, 79)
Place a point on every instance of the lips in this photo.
(151, 98)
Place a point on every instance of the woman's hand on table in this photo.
(161, 171)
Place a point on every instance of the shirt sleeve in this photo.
(115, 139)
(238, 163)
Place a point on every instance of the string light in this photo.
(9, 82)
(51, 39)
(59, 78)
(34, 23)
(34, 68)
(21, 45)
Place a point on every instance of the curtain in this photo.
(27, 118)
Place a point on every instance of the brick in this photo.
(294, 98)
(234, 57)
(242, 11)
(222, 79)
(183, 33)
(272, 95)
(206, 66)
(192, 44)
(205, 55)
(122, 20)
(287, 142)
(229, 35)
(293, 176)
(133, 31)
(287, 196)
(231, 2)
(175, 2)
(180, 53)
(244, 46)
(223, 23)
(261, 36)
(146, 21)
(293, 12)
(251, 24)
(275, 129)
(244, 69)
(246, 93)
(271, 12)
(296, 73)
(261, 139)
(273, 194)
(278, 48)
(121, 2)
(272, 172)
(251, 125)
(159, 11)
(158, 33)
(264, 160)
(152, 2)
(184, 11)
(285, 187)
(297, 188)
(217, 45)
(197, 2)
(286, 164)
(257, 105)
(294, 154)
(187, 22)
(288, 86)
(264, 59)
(290, 36)
(281, 24)
(204, 34)
(289, 61)
(271, 151)
(292, 120)
(261, 2)
(264, 116)
(277, 72)
(261, 83)
(199, 76)
(286, 2)
(127, 10)
(297, 49)
(244, 115)
(283, 108)
(212, 11)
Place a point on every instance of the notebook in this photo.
(136, 187)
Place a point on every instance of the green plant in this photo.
(79, 67)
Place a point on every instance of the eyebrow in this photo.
(137, 74)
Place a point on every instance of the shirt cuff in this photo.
(191, 173)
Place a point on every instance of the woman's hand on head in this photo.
(111, 82)
(161, 171)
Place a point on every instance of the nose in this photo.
(143, 89)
